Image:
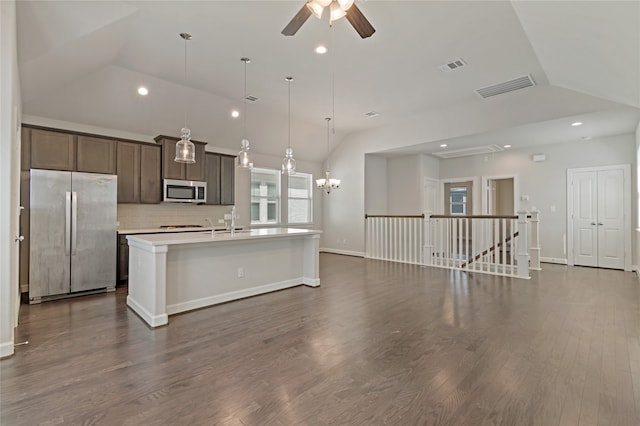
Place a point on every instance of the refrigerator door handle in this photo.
(74, 222)
(67, 224)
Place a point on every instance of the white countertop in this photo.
(172, 238)
(128, 231)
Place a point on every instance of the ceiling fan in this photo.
(337, 9)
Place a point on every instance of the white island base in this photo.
(172, 273)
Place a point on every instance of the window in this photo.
(458, 201)
(265, 196)
(300, 198)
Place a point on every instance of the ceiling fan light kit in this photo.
(337, 10)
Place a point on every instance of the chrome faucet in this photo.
(233, 220)
(213, 230)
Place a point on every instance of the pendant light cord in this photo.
(185, 79)
(289, 80)
(244, 124)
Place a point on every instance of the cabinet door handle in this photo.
(600, 223)
(593, 223)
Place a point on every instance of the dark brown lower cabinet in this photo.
(123, 259)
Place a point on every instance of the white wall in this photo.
(344, 209)
(404, 185)
(545, 182)
(375, 196)
(10, 115)
(637, 199)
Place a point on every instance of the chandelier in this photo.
(328, 183)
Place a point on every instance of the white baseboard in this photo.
(636, 269)
(152, 320)
(345, 252)
(554, 260)
(6, 349)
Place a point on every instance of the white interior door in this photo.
(585, 218)
(598, 218)
(611, 219)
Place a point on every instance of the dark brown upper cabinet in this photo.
(220, 172)
(52, 150)
(213, 178)
(227, 179)
(95, 155)
(128, 172)
(139, 179)
(181, 171)
(150, 174)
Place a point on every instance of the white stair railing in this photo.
(499, 245)
(395, 238)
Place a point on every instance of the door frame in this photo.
(475, 209)
(485, 191)
(626, 196)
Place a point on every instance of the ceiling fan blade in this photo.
(359, 22)
(297, 21)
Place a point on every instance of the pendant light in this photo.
(185, 149)
(289, 163)
(244, 159)
(328, 183)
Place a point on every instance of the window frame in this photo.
(310, 182)
(277, 199)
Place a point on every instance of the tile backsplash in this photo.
(155, 215)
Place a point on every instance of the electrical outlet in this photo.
(240, 272)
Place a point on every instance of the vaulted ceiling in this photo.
(83, 61)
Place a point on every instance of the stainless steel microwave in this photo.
(184, 191)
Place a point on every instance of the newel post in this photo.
(427, 246)
(535, 241)
(522, 257)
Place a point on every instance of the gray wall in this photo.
(546, 182)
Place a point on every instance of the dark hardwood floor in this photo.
(377, 343)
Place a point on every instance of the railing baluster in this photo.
(487, 244)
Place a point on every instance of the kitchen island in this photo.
(177, 272)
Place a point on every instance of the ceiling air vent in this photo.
(251, 98)
(371, 114)
(466, 152)
(453, 65)
(507, 86)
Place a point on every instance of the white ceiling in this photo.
(82, 62)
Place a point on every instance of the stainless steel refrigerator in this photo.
(72, 233)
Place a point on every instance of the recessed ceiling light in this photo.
(321, 50)
(143, 91)
(443, 145)
(506, 146)
(235, 113)
(576, 123)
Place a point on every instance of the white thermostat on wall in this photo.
(538, 158)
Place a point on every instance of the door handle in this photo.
(74, 221)
(67, 224)
(19, 239)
